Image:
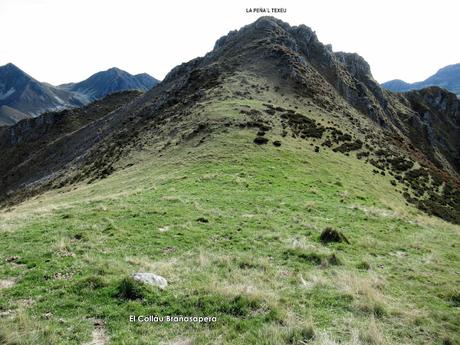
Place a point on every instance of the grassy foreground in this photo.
(234, 228)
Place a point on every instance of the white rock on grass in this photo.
(151, 279)
(164, 229)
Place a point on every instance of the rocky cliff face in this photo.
(435, 125)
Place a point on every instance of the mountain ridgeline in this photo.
(447, 77)
(113, 80)
(22, 96)
(283, 83)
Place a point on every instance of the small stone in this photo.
(6, 313)
(151, 279)
(98, 323)
(169, 250)
(12, 258)
(47, 316)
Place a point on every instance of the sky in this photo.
(60, 41)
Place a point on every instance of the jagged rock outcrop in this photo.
(435, 125)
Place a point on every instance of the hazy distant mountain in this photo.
(22, 96)
(113, 80)
(447, 77)
(9, 116)
(21, 93)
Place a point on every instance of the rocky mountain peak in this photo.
(10, 71)
(355, 63)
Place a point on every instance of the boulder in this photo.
(151, 279)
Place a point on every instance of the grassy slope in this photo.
(257, 264)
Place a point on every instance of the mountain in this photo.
(113, 80)
(146, 80)
(272, 183)
(9, 116)
(20, 91)
(447, 78)
(22, 96)
(393, 131)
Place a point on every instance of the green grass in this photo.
(257, 264)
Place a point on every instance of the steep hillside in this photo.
(34, 149)
(447, 77)
(113, 80)
(272, 183)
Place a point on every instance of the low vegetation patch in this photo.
(330, 235)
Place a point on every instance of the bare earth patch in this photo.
(98, 337)
(180, 342)
(7, 283)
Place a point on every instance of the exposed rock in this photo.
(6, 313)
(164, 228)
(151, 279)
(12, 258)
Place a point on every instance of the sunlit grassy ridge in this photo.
(234, 227)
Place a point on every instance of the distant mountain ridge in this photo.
(447, 77)
(22, 93)
(112, 80)
(22, 96)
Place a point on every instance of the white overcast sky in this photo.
(60, 41)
